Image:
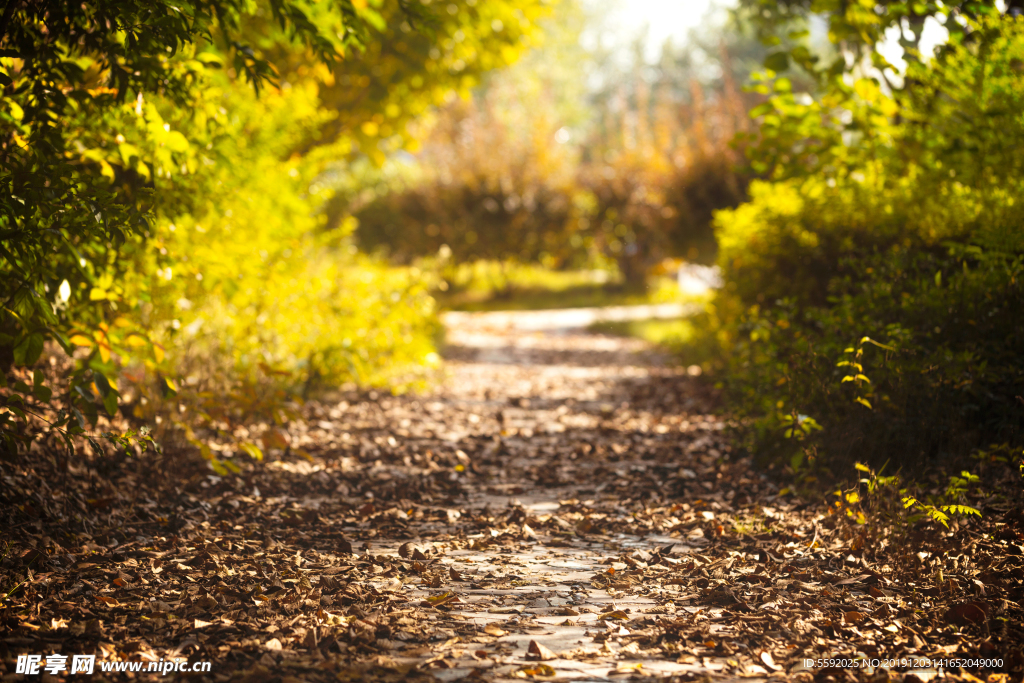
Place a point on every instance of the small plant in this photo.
(881, 492)
(797, 426)
(855, 370)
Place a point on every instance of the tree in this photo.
(120, 117)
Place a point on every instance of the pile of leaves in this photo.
(535, 517)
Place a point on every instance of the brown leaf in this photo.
(853, 617)
(538, 653)
(967, 613)
(768, 661)
(616, 614)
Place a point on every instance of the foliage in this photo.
(890, 500)
(856, 30)
(904, 236)
(164, 217)
(635, 183)
(519, 204)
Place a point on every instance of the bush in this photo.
(878, 296)
(162, 223)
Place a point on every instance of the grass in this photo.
(490, 286)
(687, 338)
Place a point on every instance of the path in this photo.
(564, 506)
(544, 492)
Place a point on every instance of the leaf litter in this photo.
(564, 506)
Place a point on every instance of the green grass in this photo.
(489, 286)
(687, 338)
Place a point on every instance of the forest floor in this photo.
(563, 505)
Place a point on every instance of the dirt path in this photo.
(565, 505)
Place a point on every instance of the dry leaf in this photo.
(616, 614)
(535, 671)
(967, 613)
(538, 653)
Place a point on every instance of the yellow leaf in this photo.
(617, 614)
(252, 449)
(158, 353)
(97, 294)
(80, 340)
(438, 599)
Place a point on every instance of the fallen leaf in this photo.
(616, 614)
(537, 652)
(768, 661)
(967, 613)
(535, 671)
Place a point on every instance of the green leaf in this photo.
(29, 349)
(777, 61)
(110, 403)
(961, 510)
(102, 383)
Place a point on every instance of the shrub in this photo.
(879, 293)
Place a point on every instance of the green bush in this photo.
(877, 293)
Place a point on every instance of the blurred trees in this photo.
(160, 215)
(627, 173)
